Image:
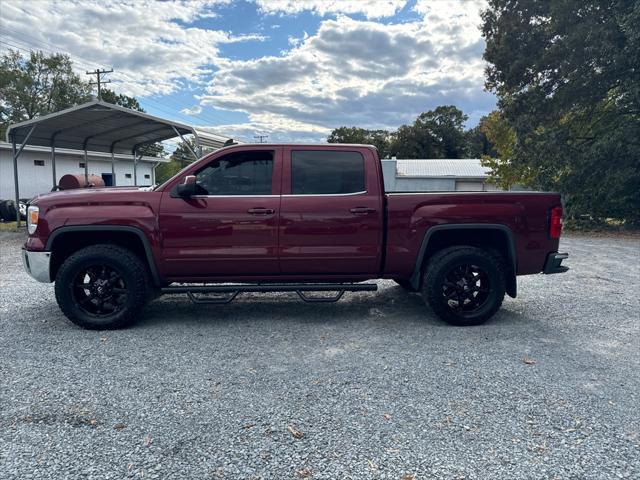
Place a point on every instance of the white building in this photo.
(36, 176)
(433, 175)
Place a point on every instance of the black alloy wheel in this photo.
(464, 285)
(102, 287)
(99, 290)
(466, 288)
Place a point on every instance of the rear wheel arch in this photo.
(496, 237)
(65, 241)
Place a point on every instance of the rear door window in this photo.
(326, 172)
(242, 173)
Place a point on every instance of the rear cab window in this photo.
(327, 172)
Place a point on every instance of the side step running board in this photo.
(300, 288)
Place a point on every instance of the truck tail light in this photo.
(555, 222)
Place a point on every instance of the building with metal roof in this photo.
(36, 173)
(433, 175)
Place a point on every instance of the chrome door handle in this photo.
(261, 211)
(362, 210)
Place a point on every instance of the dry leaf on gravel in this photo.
(295, 432)
(528, 361)
(119, 426)
(387, 416)
(305, 472)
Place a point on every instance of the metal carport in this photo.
(102, 127)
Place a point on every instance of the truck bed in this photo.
(411, 215)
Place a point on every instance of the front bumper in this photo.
(554, 263)
(37, 265)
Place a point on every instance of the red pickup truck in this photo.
(298, 218)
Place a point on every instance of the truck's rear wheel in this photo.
(464, 285)
(102, 287)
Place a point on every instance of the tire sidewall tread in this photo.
(131, 268)
(442, 262)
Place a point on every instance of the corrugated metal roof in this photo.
(459, 168)
(103, 127)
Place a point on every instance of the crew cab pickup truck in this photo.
(298, 218)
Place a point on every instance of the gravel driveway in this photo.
(371, 387)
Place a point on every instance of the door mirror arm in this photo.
(187, 188)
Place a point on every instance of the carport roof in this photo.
(104, 127)
(437, 168)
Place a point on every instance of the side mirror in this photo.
(188, 187)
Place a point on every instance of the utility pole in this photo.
(261, 138)
(98, 73)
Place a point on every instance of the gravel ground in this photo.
(375, 386)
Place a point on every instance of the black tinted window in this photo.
(243, 173)
(326, 172)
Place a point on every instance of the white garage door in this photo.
(462, 186)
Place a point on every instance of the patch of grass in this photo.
(11, 227)
(587, 223)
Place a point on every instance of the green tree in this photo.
(503, 139)
(379, 138)
(110, 96)
(437, 133)
(567, 78)
(37, 85)
(477, 142)
(180, 158)
(445, 127)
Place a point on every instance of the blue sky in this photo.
(292, 69)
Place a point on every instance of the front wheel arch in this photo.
(65, 241)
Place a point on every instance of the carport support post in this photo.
(186, 144)
(15, 181)
(135, 168)
(16, 154)
(53, 165)
(113, 170)
(86, 168)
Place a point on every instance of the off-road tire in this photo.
(6, 212)
(490, 262)
(132, 271)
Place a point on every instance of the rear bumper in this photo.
(37, 265)
(554, 263)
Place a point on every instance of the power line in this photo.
(124, 77)
(261, 138)
(98, 73)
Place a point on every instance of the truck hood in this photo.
(88, 194)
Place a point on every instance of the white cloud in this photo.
(295, 41)
(359, 73)
(349, 72)
(368, 8)
(149, 43)
(195, 110)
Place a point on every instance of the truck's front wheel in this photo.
(102, 287)
(464, 285)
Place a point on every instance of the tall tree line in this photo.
(438, 133)
(567, 78)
